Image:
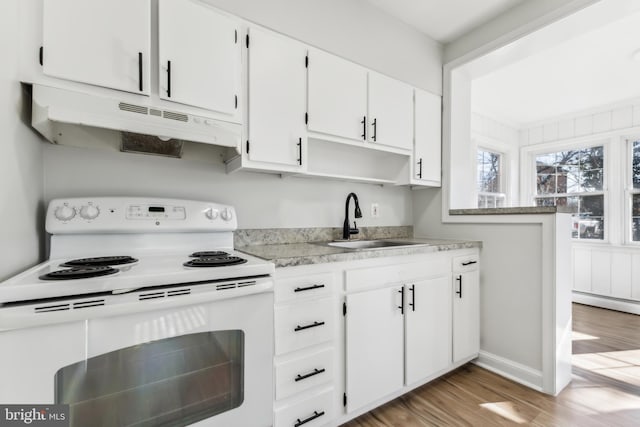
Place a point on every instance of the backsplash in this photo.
(272, 236)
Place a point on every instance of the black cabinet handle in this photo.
(300, 151)
(412, 304)
(315, 415)
(401, 306)
(312, 325)
(469, 263)
(420, 169)
(140, 71)
(168, 79)
(375, 130)
(316, 371)
(364, 127)
(459, 280)
(308, 288)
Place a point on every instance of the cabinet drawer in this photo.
(295, 288)
(304, 324)
(298, 375)
(315, 411)
(464, 263)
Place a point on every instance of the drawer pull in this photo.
(316, 371)
(315, 415)
(312, 325)
(308, 288)
(469, 263)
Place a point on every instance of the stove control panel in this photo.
(137, 215)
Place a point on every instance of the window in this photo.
(635, 191)
(574, 179)
(490, 193)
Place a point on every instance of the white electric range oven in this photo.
(144, 315)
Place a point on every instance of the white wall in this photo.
(20, 162)
(354, 30)
(262, 200)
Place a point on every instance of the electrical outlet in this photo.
(375, 210)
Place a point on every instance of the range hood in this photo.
(52, 105)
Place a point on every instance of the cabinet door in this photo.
(337, 96)
(199, 56)
(374, 343)
(390, 112)
(277, 85)
(466, 315)
(103, 43)
(428, 137)
(427, 328)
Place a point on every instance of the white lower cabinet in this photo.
(305, 315)
(368, 331)
(374, 345)
(466, 308)
(314, 411)
(399, 332)
(427, 328)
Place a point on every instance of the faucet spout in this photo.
(347, 231)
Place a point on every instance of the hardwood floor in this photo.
(605, 390)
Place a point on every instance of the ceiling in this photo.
(444, 20)
(593, 69)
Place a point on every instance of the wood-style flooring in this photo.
(604, 391)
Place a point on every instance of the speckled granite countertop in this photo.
(293, 254)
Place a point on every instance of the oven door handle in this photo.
(312, 325)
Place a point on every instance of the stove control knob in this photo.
(227, 214)
(89, 212)
(64, 213)
(212, 213)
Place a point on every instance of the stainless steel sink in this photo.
(369, 244)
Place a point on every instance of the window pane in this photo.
(488, 172)
(636, 164)
(545, 201)
(574, 171)
(589, 223)
(546, 184)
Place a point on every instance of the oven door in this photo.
(206, 364)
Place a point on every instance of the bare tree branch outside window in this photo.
(574, 179)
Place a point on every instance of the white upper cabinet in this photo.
(277, 102)
(337, 96)
(103, 43)
(426, 167)
(390, 112)
(199, 56)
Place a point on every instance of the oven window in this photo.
(174, 381)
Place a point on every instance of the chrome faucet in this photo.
(347, 231)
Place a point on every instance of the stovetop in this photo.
(122, 273)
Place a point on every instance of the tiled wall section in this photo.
(617, 118)
(492, 129)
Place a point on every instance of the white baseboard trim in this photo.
(626, 306)
(517, 372)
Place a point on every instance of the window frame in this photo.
(529, 184)
(629, 191)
